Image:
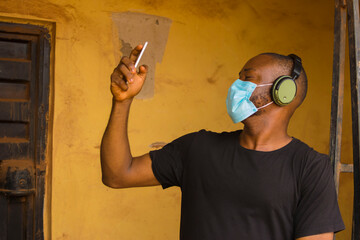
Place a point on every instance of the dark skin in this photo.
(264, 131)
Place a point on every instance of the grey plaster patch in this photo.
(131, 29)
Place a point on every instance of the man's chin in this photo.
(248, 119)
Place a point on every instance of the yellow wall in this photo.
(208, 43)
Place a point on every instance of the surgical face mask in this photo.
(238, 103)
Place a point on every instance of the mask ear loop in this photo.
(266, 84)
(265, 105)
(262, 85)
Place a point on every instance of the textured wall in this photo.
(207, 45)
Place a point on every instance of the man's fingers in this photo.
(135, 52)
(126, 73)
(143, 69)
(124, 86)
(128, 63)
(118, 79)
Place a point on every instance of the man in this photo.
(255, 183)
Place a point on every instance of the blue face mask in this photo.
(238, 103)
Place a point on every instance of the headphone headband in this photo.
(297, 66)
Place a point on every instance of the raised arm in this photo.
(119, 168)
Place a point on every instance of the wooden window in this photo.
(24, 104)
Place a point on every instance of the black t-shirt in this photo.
(230, 192)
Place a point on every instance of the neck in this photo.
(265, 133)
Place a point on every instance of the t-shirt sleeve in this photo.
(167, 163)
(317, 210)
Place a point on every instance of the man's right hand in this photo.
(126, 83)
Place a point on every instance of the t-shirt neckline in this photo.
(237, 137)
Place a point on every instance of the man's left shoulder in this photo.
(309, 155)
(313, 159)
(309, 151)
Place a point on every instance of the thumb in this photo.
(143, 71)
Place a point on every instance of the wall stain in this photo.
(212, 9)
(253, 9)
(64, 236)
(213, 79)
(208, 9)
(153, 3)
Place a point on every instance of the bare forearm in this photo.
(115, 149)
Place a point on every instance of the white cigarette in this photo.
(141, 53)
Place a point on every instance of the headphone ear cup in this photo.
(284, 90)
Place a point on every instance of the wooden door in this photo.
(24, 101)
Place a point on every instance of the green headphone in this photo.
(284, 89)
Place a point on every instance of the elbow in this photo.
(112, 183)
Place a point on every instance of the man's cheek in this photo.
(259, 100)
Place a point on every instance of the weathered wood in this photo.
(11, 49)
(12, 148)
(16, 221)
(24, 104)
(337, 96)
(16, 91)
(14, 111)
(17, 130)
(354, 54)
(3, 212)
(348, 168)
(42, 126)
(15, 69)
(22, 29)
